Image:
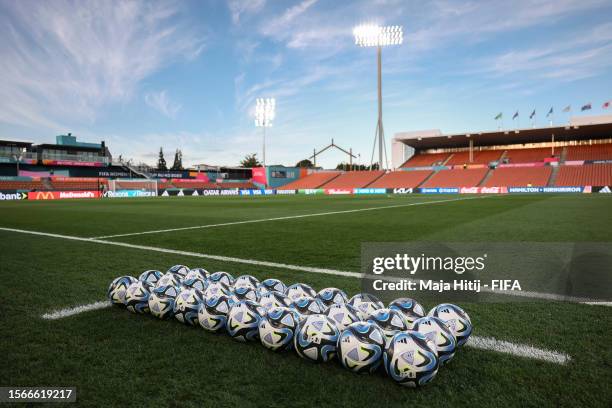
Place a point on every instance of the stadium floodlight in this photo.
(370, 35)
(265, 112)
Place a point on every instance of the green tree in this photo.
(305, 164)
(161, 162)
(178, 160)
(250, 161)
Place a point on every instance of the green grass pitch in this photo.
(116, 358)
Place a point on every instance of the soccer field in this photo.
(62, 254)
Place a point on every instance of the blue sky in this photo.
(141, 75)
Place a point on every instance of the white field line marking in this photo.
(289, 217)
(598, 303)
(482, 343)
(60, 314)
(326, 271)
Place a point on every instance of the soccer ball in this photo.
(151, 276)
(440, 334)
(194, 283)
(246, 280)
(137, 297)
(365, 304)
(297, 290)
(244, 292)
(117, 289)
(222, 277)
(212, 313)
(277, 328)
(343, 315)
(271, 285)
(161, 306)
(243, 320)
(307, 305)
(201, 272)
(168, 285)
(410, 308)
(180, 270)
(361, 346)
(410, 359)
(186, 306)
(272, 299)
(330, 296)
(316, 338)
(457, 320)
(390, 321)
(217, 288)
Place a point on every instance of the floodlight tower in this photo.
(265, 112)
(369, 35)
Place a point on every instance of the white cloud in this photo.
(160, 102)
(239, 8)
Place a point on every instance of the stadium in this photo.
(470, 269)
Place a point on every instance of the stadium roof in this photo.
(579, 128)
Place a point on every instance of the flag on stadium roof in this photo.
(606, 105)
(586, 107)
(532, 114)
(499, 116)
(515, 115)
(567, 108)
(550, 112)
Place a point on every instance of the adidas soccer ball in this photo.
(117, 289)
(243, 320)
(217, 288)
(298, 290)
(330, 296)
(361, 346)
(244, 292)
(212, 312)
(457, 320)
(186, 306)
(151, 276)
(316, 338)
(410, 308)
(194, 283)
(222, 277)
(438, 332)
(271, 285)
(161, 306)
(274, 299)
(246, 280)
(410, 359)
(365, 304)
(180, 270)
(137, 297)
(277, 328)
(168, 285)
(343, 315)
(200, 272)
(307, 305)
(390, 321)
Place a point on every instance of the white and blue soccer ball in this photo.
(243, 280)
(161, 306)
(217, 288)
(410, 359)
(213, 311)
(180, 270)
(330, 296)
(168, 285)
(186, 306)
(117, 289)
(391, 321)
(198, 272)
(361, 346)
(457, 320)
(343, 315)
(410, 308)
(271, 285)
(243, 320)
(193, 282)
(222, 277)
(272, 299)
(438, 332)
(307, 305)
(298, 290)
(137, 297)
(277, 328)
(151, 276)
(316, 338)
(365, 304)
(244, 291)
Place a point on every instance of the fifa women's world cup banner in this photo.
(436, 272)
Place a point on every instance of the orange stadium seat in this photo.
(590, 152)
(479, 157)
(530, 155)
(588, 175)
(425, 159)
(401, 179)
(194, 184)
(232, 184)
(456, 178)
(314, 180)
(22, 185)
(519, 177)
(77, 184)
(354, 179)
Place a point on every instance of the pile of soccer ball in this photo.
(361, 331)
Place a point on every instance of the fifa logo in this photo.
(314, 338)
